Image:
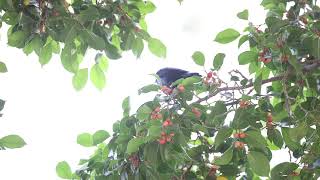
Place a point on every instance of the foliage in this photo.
(70, 28)
(189, 133)
(10, 141)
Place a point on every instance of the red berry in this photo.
(168, 139)
(181, 88)
(209, 75)
(236, 135)
(239, 145)
(166, 123)
(163, 133)
(284, 58)
(196, 112)
(242, 135)
(157, 109)
(166, 90)
(267, 60)
(162, 141)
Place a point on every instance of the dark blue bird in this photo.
(170, 75)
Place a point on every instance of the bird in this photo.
(169, 75)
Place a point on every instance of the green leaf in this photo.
(63, 170)
(157, 48)
(198, 58)
(89, 14)
(222, 135)
(70, 58)
(225, 158)
(80, 78)
(274, 136)
(85, 139)
(17, 39)
(137, 47)
(3, 67)
(100, 136)
(34, 45)
(97, 77)
(218, 60)
(45, 54)
(257, 84)
(126, 106)
(94, 41)
(256, 140)
(219, 112)
(294, 62)
(298, 132)
(112, 51)
(2, 103)
(190, 80)
(148, 88)
(134, 144)
(144, 112)
(247, 57)
(243, 14)
(282, 170)
(242, 40)
(227, 36)
(292, 145)
(259, 163)
(12, 141)
(102, 61)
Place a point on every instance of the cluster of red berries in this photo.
(284, 58)
(213, 170)
(239, 144)
(258, 30)
(269, 120)
(167, 122)
(166, 90)
(165, 138)
(240, 135)
(196, 112)
(212, 78)
(244, 104)
(263, 57)
(135, 161)
(155, 114)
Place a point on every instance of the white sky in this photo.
(48, 113)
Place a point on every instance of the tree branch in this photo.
(306, 69)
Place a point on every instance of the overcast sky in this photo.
(48, 113)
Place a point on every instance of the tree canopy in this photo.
(204, 128)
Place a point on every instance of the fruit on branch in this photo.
(239, 145)
(181, 88)
(165, 138)
(244, 104)
(196, 112)
(284, 58)
(304, 20)
(135, 161)
(166, 90)
(240, 135)
(167, 122)
(213, 170)
(155, 114)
